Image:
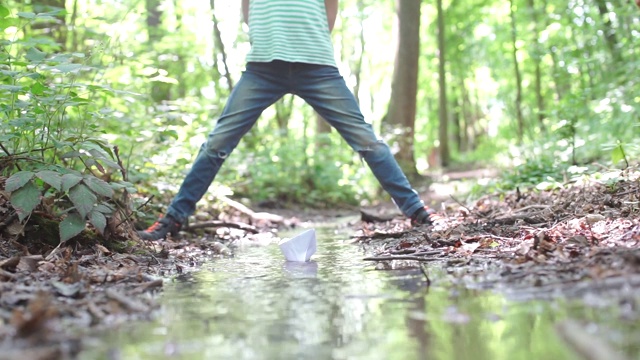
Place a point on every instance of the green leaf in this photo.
(66, 68)
(82, 198)
(12, 88)
(51, 177)
(27, 15)
(99, 186)
(25, 199)
(35, 55)
(38, 88)
(71, 154)
(69, 181)
(617, 154)
(104, 208)
(18, 180)
(4, 12)
(97, 219)
(71, 226)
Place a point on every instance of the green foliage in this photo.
(50, 132)
(64, 102)
(286, 175)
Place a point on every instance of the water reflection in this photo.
(258, 306)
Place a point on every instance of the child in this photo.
(291, 53)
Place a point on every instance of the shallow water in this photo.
(257, 306)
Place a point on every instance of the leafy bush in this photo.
(49, 133)
(285, 174)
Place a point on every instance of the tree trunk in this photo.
(56, 28)
(609, 32)
(467, 116)
(357, 69)
(160, 91)
(518, 101)
(154, 19)
(74, 33)
(404, 88)
(219, 47)
(538, 72)
(284, 107)
(443, 117)
(323, 129)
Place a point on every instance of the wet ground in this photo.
(258, 306)
(518, 275)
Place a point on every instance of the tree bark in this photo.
(323, 129)
(219, 46)
(516, 68)
(57, 28)
(609, 32)
(537, 72)
(357, 70)
(443, 128)
(404, 88)
(284, 107)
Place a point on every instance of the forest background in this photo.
(103, 99)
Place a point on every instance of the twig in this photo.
(217, 223)
(254, 215)
(534, 206)
(400, 257)
(116, 152)
(9, 155)
(145, 203)
(7, 274)
(425, 273)
(461, 204)
(125, 301)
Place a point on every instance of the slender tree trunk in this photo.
(56, 28)
(443, 131)
(154, 19)
(518, 100)
(74, 32)
(466, 118)
(284, 108)
(537, 72)
(404, 88)
(323, 129)
(609, 31)
(357, 70)
(219, 46)
(160, 91)
(457, 127)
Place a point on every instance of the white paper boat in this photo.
(299, 247)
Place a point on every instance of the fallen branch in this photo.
(510, 220)
(126, 302)
(218, 223)
(254, 215)
(400, 257)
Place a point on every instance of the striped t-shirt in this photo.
(290, 30)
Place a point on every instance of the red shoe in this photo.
(160, 229)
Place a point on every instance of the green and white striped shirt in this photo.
(290, 30)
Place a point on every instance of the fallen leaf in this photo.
(10, 263)
(470, 247)
(67, 290)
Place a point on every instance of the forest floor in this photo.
(568, 242)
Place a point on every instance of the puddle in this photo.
(257, 306)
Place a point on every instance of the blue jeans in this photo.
(324, 89)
